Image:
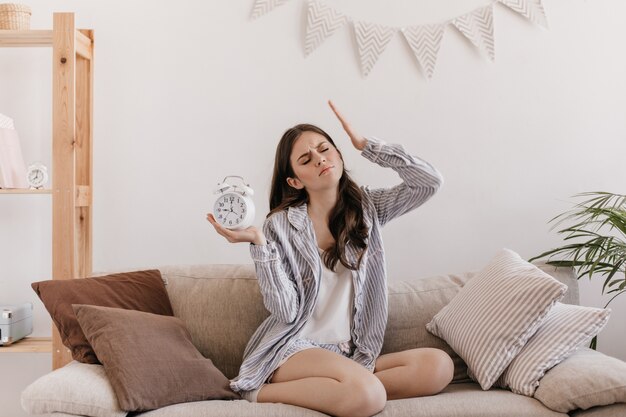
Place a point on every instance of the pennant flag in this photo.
(477, 26)
(530, 9)
(425, 42)
(372, 39)
(321, 22)
(263, 6)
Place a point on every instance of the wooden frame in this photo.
(72, 115)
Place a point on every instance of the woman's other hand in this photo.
(251, 234)
(358, 141)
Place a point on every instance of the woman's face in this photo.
(316, 163)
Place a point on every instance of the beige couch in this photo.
(222, 306)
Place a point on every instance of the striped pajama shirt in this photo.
(289, 268)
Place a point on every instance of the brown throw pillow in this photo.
(150, 359)
(140, 290)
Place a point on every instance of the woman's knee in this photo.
(440, 368)
(364, 395)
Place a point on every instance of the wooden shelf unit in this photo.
(29, 345)
(24, 191)
(71, 171)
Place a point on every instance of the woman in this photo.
(321, 270)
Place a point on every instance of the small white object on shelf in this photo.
(37, 175)
(12, 168)
(16, 322)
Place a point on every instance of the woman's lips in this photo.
(326, 169)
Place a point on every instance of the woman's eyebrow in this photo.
(305, 154)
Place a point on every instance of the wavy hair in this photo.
(345, 220)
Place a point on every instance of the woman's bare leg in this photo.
(325, 381)
(414, 372)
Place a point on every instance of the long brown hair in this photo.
(345, 220)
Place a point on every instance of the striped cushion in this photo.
(492, 317)
(564, 330)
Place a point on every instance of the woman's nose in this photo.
(320, 160)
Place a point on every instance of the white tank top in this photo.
(331, 319)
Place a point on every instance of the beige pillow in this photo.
(495, 313)
(77, 388)
(565, 329)
(586, 379)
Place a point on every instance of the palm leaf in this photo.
(594, 251)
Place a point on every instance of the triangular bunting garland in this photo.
(371, 39)
(322, 21)
(425, 41)
(477, 26)
(264, 6)
(530, 9)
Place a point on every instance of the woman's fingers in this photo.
(233, 236)
(357, 140)
(343, 121)
(218, 227)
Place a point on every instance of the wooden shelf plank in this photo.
(25, 191)
(29, 345)
(25, 38)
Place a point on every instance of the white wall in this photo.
(187, 93)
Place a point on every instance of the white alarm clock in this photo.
(234, 208)
(37, 175)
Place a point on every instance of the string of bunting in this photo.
(425, 40)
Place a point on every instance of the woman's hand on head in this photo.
(358, 141)
(251, 234)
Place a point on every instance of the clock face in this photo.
(37, 177)
(230, 210)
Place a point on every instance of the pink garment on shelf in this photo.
(12, 168)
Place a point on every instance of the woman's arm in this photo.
(420, 180)
(277, 286)
(278, 289)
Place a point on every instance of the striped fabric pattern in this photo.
(289, 268)
(493, 316)
(565, 329)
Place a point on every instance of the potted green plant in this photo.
(599, 232)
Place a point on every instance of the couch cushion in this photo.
(77, 388)
(412, 304)
(495, 313)
(586, 379)
(565, 329)
(221, 306)
(466, 400)
(469, 400)
(614, 410)
(137, 290)
(241, 408)
(149, 358)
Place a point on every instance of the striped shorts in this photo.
(344, 348)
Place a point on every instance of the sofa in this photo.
(221, 306)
